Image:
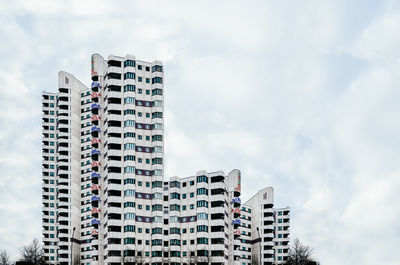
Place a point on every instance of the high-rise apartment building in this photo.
(105, 200)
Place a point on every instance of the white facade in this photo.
(105, 200)
(265, 230)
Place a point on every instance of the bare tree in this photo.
(4, 258)
(134, 259)
(192, 258)
(32, 253)
(130, 257)
(195, 258)
(299, 254)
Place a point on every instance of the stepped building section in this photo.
(105, 200)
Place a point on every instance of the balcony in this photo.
(95, 96)
(236, 202)
(95, 86)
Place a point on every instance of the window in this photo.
(174, 184)
(129, 123)
(175, 195)
(202, 216)
(139, 67)
(157, 219)
(191, 183)
(174, 242)
(148, 82)
(202, 240)
(129, 158)
(129, 204)
(157, 103)
(129, 146)
(155, 161)
(156, 91)
(202, 203)
(129, 112)
(129, 181)
(129, 240)
(157, 230)
(156, 242)
(139, 79)
(129, 193)
(129, 63)
(157, 172)
(129, 100)
(157, 195)
(174, 207)
(191, 194)
(130, 75)
(174, 219)
(140, 91)
(157, 149)
(184, 196)
(156, 184)
(156, 207)
(175, 253)
(129, 228)
(129, 216)
(156, 115)
(174, 230)
(129, 169)
(202, 191)
(156, 126)
(129, 88)
(202, 228)
(156, 68)
(202, 179)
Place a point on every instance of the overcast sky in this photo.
(299, 95)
